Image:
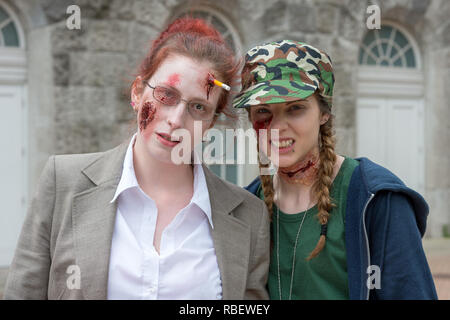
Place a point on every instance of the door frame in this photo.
(13, 72)
(396, 83)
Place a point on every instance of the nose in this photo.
(177, 114)
(279, 122)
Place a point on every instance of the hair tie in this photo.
(323, 230)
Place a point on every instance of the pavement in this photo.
(438, 256)
(437, 252)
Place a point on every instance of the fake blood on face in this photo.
(147, 115)
(264, 124)
(209, 84)
(173, 80)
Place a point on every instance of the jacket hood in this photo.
(377, 178)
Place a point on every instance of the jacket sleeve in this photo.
(259, 261)
(396, 249)
(29, 271)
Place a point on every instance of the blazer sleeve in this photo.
(259, 261)
(396, 248)
(29, 271)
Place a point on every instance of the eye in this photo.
(296, 107)
(198, 107)
(262, 110)
(166, 95)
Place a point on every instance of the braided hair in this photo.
(321, 187)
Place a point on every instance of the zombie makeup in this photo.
(147, 115)
(262, 124)
(209, 84)
(303, 172)
(173, 80)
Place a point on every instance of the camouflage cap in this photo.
(285, 71)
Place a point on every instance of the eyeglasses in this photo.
(171, 97)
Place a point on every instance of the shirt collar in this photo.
(128, 179)
(200, 196)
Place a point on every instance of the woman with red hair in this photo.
(133, 223)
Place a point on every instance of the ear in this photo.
(324, 118)
(136, 92)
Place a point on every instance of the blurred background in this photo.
(65, 90)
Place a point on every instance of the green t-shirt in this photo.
(325, 276)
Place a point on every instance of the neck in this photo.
(156, 177)
(303, 171)
(294, 184)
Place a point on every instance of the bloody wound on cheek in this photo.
(147, 115)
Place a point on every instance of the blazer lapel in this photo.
(93, 218)
(231, 237)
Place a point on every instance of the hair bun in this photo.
(193, 25)
(188, 25)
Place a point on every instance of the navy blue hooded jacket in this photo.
(384, 225)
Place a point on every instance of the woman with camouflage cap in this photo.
(342, 228)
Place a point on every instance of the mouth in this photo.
(283, 143)
(283, 146)
(167, 139)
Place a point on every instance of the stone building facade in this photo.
(71, 86)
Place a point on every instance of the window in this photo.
(387, 47)
(230, 172)
(9, 36)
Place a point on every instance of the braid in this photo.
(267, 186)
(321, 188)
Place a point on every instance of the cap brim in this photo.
(275, 91)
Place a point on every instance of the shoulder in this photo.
(389, 192)
(69, 169)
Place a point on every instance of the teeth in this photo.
(283, 144)
(168, 138)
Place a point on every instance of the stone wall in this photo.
(79, 79)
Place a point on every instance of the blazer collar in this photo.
(93, 217)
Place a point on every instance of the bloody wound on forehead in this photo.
(212, 81)
(209, 84)
(174, 79)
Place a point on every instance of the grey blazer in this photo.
(70, 221)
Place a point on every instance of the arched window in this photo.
(9, 36)
(219, 21)
(231, 172)
(387, 47)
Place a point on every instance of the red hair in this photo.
(196, 39)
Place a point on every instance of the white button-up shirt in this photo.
(186, 267)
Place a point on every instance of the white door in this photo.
(389, 132)
(13, 168)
